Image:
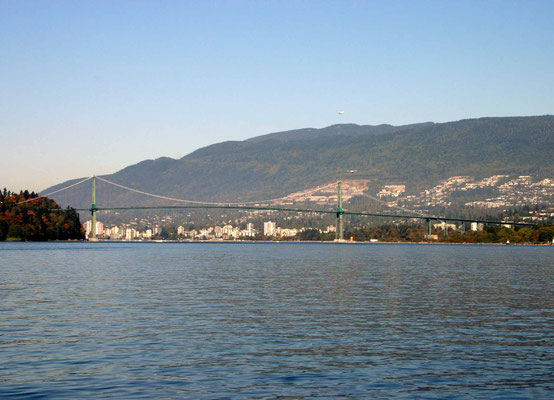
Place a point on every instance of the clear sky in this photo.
(89, 87)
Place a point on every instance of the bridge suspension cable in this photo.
(201, 202)
(55, 191)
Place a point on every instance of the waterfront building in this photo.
(227, 230)
(269, 228)
(130, 234)
(288, 232)
(477, 227)
(88, 228)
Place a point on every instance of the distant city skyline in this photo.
(89, 88)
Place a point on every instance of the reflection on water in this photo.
(275, 321)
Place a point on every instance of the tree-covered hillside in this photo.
(24, 216)
(278, 164)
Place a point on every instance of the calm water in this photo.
(288, 321)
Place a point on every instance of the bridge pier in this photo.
(339, 234)
(428, 229)
(428, 226)
(93, 209)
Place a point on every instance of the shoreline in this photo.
(285, 241)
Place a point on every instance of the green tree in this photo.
(4, 227)
(310, 234)
(16, 232)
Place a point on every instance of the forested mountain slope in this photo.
(280, 163)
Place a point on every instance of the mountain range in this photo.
(276, 164)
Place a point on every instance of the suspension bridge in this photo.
(339, 212)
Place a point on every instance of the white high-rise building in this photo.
(269, 228)
(130, 234)
(88, 228)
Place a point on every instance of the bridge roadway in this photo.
(308, 210)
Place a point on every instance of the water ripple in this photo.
(294, 321)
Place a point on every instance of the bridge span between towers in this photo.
(339, 212)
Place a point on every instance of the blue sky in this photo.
(91, 87)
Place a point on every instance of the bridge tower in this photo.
(428, 227)
(339, 235)
(93, 209)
